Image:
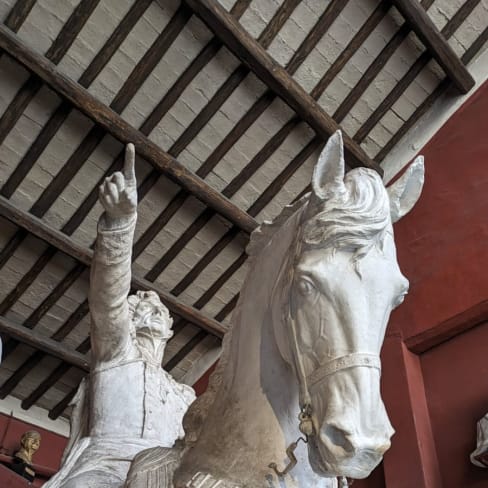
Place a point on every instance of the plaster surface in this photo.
(128, 403)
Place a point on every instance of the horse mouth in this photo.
(356, 465)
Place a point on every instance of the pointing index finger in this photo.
(129, 163)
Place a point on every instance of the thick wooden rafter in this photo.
(422, 25)
(68, 246)
(252, 54)
(43, 343)
(480, 41)
(119, 128)
(421, 62)
(55, 53)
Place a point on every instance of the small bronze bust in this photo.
(22, 460)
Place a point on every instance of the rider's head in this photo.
(149, 316)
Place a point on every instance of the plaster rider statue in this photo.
(129, 403)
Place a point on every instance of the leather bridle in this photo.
(319, 375)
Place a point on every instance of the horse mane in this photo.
(264, 233)
(356, 220)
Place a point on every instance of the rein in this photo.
(318, 376)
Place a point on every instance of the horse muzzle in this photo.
(335, 452)
(356, 465)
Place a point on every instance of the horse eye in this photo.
(305, 287)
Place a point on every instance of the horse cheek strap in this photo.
(306, 425)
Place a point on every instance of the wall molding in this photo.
(460, 323)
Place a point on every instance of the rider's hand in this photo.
(118, 193)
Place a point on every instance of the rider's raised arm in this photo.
(110, 275)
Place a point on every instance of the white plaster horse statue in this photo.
(302, 360)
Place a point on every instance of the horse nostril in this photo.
(338, 437)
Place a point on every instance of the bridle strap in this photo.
(304, 395)
(306, 383)
(354, 360)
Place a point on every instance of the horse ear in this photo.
(328, 174)
(405, 192)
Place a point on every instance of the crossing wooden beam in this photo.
(255, 57)
(68, 246)
(436, 43)
(43, 343)
(122, 130)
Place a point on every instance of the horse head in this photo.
(337, 290)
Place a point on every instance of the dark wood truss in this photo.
(215, 207)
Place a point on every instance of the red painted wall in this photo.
(435, 368)
(456, 386)
(442, 243)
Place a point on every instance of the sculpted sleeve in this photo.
(110, 280)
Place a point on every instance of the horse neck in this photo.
(253, 417)
(255, 369)
(259, 395)
(249, 417)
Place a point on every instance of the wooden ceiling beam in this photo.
(45, 385)
(43, 343)
(18, 14)
(55, 53)
(422, 25)
(424, 107)
(253, 55)
(122, 130)
(421, 62)
(32, 361)
(66, 245)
